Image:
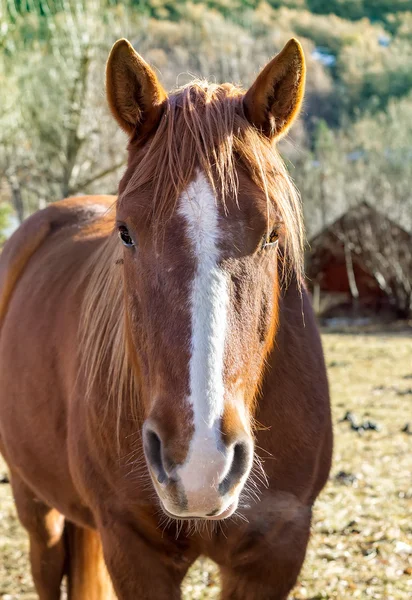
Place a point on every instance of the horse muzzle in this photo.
(208, 483)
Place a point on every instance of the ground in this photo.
(361, 545)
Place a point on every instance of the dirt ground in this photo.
(361, 545)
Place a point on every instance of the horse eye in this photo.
(125, 236)
(272, 238)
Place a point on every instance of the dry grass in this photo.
(361, 545)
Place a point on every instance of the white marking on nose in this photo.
(206, 464)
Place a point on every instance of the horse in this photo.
(163, 387)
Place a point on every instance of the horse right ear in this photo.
(134, 93)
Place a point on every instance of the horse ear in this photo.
(134, 93)
(274, 100)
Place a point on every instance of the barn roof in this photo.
(365, 231)
(361, 212)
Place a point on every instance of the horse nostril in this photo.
(240, 464)
(153, 451)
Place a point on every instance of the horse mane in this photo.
(104, 355)
(203, 126)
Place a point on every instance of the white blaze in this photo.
(209, 301)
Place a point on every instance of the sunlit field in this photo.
(361, 544)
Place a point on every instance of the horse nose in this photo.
(153, 449)
(200, 477)
(234, 465)
(241, 457)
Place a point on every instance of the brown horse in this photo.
(140, 377)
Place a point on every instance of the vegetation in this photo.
(4, 221)
(361, 544)
(354, 139)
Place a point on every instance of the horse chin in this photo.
(225, 513)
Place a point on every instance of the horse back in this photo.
(23, 244)
(41, 290)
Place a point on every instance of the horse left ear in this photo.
(274, 100)
(134, 93)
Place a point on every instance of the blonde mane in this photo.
(203, 126)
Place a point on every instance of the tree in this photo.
(4, 222)
(58, 138)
